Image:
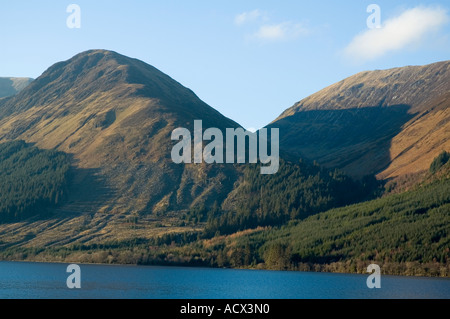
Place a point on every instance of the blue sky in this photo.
(248, 59)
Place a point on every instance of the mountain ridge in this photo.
(412, 104)
(438, 72)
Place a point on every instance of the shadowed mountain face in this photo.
(355, 140)
(390, 123)
(115, 116)
(10, 86)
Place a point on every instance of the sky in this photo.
(250, 60)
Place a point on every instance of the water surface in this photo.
(48, 280)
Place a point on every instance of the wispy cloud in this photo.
(266, 30)
(280, 31)
(249, 16)
(411, 27)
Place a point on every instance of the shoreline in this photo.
(169, 265)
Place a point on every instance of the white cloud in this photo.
(268, 31)
(280, 31)
(250, 16)
(411, 27)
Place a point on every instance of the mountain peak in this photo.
(115, 116)
(92, 74)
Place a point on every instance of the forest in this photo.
(298, 190)
(31, 180)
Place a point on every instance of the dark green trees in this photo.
(30, 180)
(297, 191)
(439, 161)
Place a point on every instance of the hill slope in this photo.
(390, 123)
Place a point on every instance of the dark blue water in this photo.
(46, 280)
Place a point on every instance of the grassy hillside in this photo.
(115, 115)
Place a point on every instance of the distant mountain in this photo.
(389, 123)
(10, 86)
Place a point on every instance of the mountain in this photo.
(390, 123)
(10, 86)
(114, 116)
